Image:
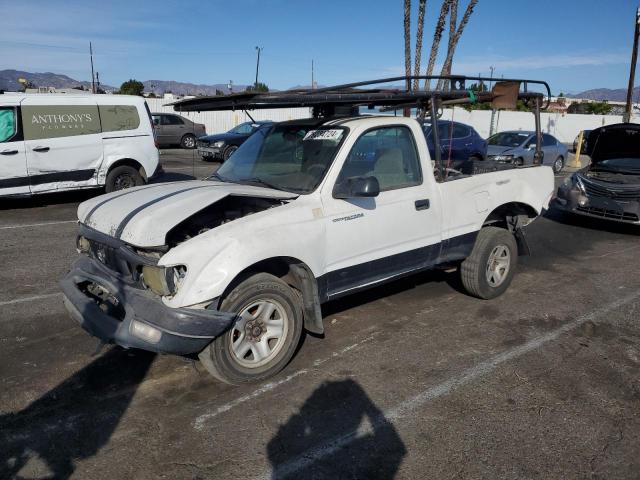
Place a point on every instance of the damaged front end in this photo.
(609, 187)
(115, 292)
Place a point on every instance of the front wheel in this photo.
(264, 336)
(488, 271)
(230, 150)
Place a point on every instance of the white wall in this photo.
(565, 127)
(218, 122)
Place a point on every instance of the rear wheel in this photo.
(488, 271)
(264, 336)
(188, 141)
(558, 165)
(123, 177)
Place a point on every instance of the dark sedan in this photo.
(222, 145)
(460, 145)
(610, 186)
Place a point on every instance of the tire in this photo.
(188, 141)
(123, 177)
(519, 161)
(558, 165)
(258, 358)
(228, 152)
(477, 277)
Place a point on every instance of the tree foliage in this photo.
(258, 87)
(132, 87)
(591, 108)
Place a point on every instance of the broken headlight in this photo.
(83, 245)
(163, 281)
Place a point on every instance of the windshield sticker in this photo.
(333, 135)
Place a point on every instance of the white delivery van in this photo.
(52, 142)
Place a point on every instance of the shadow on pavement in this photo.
(338, 433)
(74, 420)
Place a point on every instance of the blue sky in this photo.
(573, 44)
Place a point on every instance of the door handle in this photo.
(8, 152)
(423, 204)
(41, 149)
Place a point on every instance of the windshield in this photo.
(290, 157)
(244, 128)
(508, 139)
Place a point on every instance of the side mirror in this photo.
(357, 187)
(156, 121)
(531, 146)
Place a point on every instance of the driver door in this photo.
(14, 178)
(373, 239)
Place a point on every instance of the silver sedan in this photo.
(518, 147)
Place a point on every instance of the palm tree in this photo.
(407, 41)
(454, 36)
(419, 34)
(437, 36)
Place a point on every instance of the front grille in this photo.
(202, 143)
(121, 260)
(611, 191)
(612, 214)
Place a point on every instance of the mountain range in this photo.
(612, 95)
(9, 82)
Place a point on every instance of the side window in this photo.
(548, 140)
(387, 153)
(172, 120)
(157, 119)
(116, 118)
(8, 124)
(460, 131)
(55, 121)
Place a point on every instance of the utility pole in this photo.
(258, 49)
(634, 58)
(312, 79)
(492, 125)
(93, 81)
(97, 81)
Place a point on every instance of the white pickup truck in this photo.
(236, 266)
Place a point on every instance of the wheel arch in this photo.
(513, 216)
(297, 275)
(129, 162)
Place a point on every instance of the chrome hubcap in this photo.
(498, 265)
(259, 334)
(558, 165)
(189, 142)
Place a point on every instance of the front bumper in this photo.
(569, 199)
(182, 330)
(210, 152)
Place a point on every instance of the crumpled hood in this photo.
(143, 216)
(499, 150)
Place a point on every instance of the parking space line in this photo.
(44, 224)
(406, 407)
(29, 299)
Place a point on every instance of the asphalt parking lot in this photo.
(412, 380)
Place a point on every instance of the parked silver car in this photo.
(518, 147)
(173, 129)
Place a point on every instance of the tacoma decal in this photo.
(348, 217)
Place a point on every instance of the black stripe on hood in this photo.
(137, 210)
